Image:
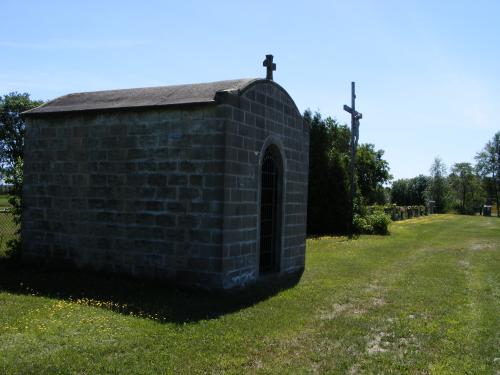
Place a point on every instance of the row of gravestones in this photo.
(407, 212)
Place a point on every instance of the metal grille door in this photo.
(269, 213)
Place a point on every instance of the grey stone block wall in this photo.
(137, 192)
(265, 115)
(168, 193)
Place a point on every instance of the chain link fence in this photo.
(8, 228)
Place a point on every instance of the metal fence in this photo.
(8, 228)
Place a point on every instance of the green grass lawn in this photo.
(4, 201)
(8, 229)
(425, 299)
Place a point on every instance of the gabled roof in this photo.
(142, 97)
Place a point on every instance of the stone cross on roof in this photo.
(268, 63)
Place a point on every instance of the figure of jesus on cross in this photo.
(355, 117)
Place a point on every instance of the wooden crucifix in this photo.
(355, 117)
(268, 63)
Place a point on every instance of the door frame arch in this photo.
(278, 149)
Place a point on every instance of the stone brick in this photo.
(177, 179)
(196, 180)
(157, 179)
(166, 220)
(167, 193)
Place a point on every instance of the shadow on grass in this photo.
(159, 301)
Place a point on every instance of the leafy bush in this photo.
(373, 223)
(361, 225)
(379, 222)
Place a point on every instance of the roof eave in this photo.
(31, 113)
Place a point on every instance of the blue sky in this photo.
(427, 72)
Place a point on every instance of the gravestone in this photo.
(202, 184)
(487, 210)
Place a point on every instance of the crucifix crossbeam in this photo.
(268, 63)
(353, 112)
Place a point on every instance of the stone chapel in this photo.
(202, 184)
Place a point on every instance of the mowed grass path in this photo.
(425, 299)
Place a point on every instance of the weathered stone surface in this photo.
(169, 192)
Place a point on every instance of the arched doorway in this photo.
(270, 210)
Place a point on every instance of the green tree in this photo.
(438, 187)
(328, 202)
(488, 166)
(12, 130)
(372, 173)
(418, 190)
(329, 157)
(13, 127)
(465, 186)
(408, 192)
(400, 192)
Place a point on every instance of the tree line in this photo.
(465, 189)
